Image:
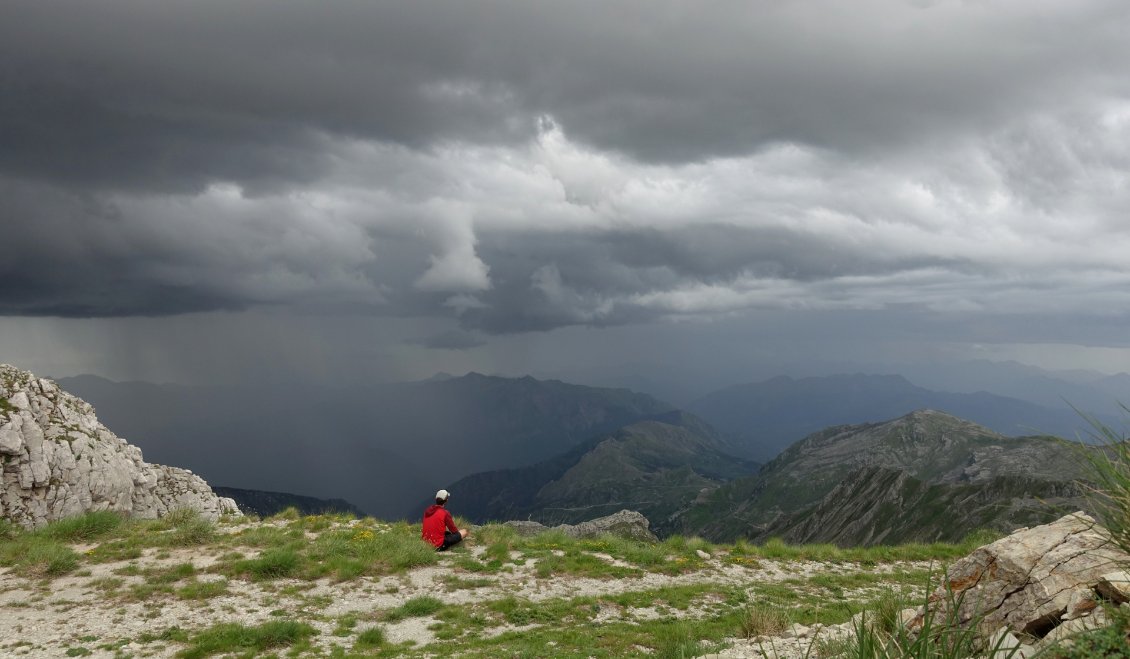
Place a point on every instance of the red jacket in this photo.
(436, 520)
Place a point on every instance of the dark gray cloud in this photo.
(173, 96)
(506, 167)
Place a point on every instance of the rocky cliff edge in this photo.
(58, 461)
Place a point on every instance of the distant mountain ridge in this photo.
(930, 447)
(656, 466)
(265, 504)
(381, 446)
(760, 419)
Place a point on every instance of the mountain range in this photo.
(925, 476)
(655, 466)
(560, 453)
(382, 447)
(760, 419)
(265, 504)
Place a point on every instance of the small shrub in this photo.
(763, 619)
(191, 530)
(373, 637)
(676, 641)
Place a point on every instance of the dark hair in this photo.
(440, 502)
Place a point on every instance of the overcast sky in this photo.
(210, 189)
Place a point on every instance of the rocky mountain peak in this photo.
(58, 460)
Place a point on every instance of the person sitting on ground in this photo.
(438, 527)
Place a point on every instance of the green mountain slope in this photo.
(876, 505)
(929, 446)
(657, 467)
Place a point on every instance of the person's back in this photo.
(438, 526)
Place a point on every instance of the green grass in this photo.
(373, 637)
(84, 528)
(763, 619)
(349, 553)
(233, 637)
(175, 634)
(202, 590)
(452, 582)
(274, 563)
(1111, 470)
(416, 607)
(189, 529)
(37, 556)
(676, 640)
(320, 547)
(777, 549)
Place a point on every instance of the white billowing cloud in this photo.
(454, 267)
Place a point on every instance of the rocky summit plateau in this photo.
(59, 461)
(107, 556)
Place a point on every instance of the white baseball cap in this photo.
(443, 494)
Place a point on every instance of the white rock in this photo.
(1115, 586)
(11, 439)
(1070, 628)
(59, 461)
(1026, 581)
(1004, 645)
(1082, 602)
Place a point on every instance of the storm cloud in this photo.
(512, 167)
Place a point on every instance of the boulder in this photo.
(1030, 583)
(526, 528)
(57, 460)
(626, 524)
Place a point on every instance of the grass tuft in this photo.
(190, 529)
(763, 619)
(274, 563)
(373, 637)
(35, 555)
(83, 528)
(417, 607)
(234, 637)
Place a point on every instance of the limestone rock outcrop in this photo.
(57, 460)
(626, 524)
(1039, 585)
